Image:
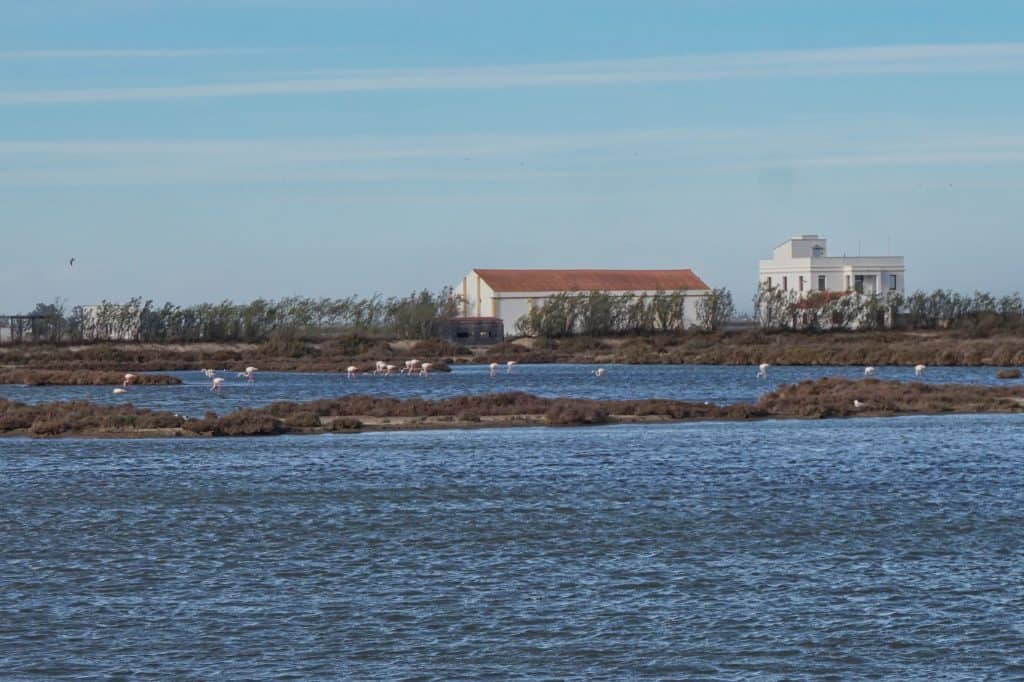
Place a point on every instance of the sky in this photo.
(202, 150)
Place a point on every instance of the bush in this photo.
(346, 424)
(302, 420)
(48, 427)
(1012, 373)
(575, 413)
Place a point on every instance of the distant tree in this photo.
(715, 309)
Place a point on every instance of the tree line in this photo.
(599, 313)
(419, 315)
(422, 315)
(939, 309)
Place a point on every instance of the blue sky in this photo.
(191, 150)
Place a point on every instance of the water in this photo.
(716, 384)
(871, 548)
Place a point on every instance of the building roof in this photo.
(591, 280)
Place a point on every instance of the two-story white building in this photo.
(802, 265)
(511, 294)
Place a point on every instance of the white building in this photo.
(802, 265)
(511, 294)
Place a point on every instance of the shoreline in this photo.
(827, 398)
(527, 421)
(745, 348)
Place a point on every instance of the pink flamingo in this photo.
(128, 378)
(494, 368)
(410, 367)
(389, 370)
(119, 391)
(600, 372)
(510, 364)
(215, 386)
(425, 368)
(248, 374)
(351, 371)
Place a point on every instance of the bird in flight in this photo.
(71, 263)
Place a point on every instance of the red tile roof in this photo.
(590, 280)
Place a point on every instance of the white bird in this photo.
(494, 368)
(249, 374)
(128, 378)
(762, 370)
(919, 370)
(868, 371)
(599, 372)
(351, 371)
(119, 391)
(210, 373)
(381, 367)
(410, 367)
(510, 364)
(858, 404)
(217, 382)
(425, 368)
(389, 370)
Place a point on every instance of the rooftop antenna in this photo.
(888, 245)
(858, 247)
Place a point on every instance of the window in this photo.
(848, 287)
(821, 282)
(818, 251)
(858, 283)
(892, 282)
(801, 282)
(785, 284)
(769, 282)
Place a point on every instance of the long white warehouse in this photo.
(510, 294)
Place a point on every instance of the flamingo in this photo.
(351, 371)
(128, 378)
(599, 372)
(381, 367)
(762, 370)
(389, 370)
(410, 367)
(425, 368)
(210, 373)
(510, 364)
(119, 391)
(858, 404)
(868, 371)
(215, 386)
(919, 370)
(494, 368)
(248, 374)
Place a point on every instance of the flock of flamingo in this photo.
(422, 369)
(762, 370)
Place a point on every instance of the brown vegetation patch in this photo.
(1010, 373)
(80, 377)
(834, 397)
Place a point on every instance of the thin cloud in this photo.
(835, 62)
(913, 159)
(368, 148)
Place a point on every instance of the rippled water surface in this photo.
(717, 384)
(874, 548)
